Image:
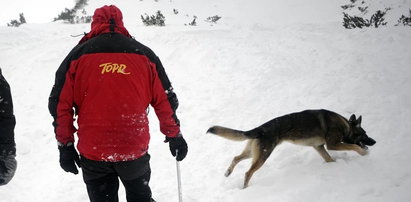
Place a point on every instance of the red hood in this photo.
(106, 19)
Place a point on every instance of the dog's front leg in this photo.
(343, 146)
(326, 156)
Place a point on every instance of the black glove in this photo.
(178, 147)
(8, 165)
(69, 158)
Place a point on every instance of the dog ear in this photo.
(352, 118)
(359, 120)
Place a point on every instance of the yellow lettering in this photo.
(109, 67)
(116, 66)
(104, 67)
(122, 68)
(113, 68)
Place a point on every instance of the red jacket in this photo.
(109, 80)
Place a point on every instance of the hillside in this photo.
(239, 73)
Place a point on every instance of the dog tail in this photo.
(229, 133)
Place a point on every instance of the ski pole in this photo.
(180, 193)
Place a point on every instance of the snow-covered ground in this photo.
(263, 59)
(39, 11)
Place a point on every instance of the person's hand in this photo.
(69, 158)
(178, 147)
(8, 165)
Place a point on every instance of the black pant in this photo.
(102, 182)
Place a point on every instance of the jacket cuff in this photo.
(60, 144)
(8, 149)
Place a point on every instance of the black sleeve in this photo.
(172, 97)
(57, 87)
(165, 81)
(7, 119)
(60, 78)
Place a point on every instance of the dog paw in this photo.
(363, 152)
(227, 173)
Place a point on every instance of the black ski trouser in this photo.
(102, 182)
(8, 163)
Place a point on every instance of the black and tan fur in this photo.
(316, 128)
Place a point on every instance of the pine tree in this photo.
(17, 23)
(70, 15)
(22, 18)
(406, 21)
(154, 20)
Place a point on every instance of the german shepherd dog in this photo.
(314, 128)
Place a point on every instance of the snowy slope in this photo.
(39, 11)
(238, 73)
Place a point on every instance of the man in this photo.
(108, 80)
(8, 163)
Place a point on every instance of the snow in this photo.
(39, 11)
(263, 59)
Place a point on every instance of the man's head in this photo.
(106, 19)
(107, 15)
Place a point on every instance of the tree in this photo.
(357, 14)
(376, 20)
(22, 18)
(360, 20)
(406, 21)
(213, 19)
(17, 23)
(67, 15)
(70, 15)
(154, 20)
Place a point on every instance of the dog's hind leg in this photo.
(260, 155)
(321, 150)
(244, 155)
(254, 167)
